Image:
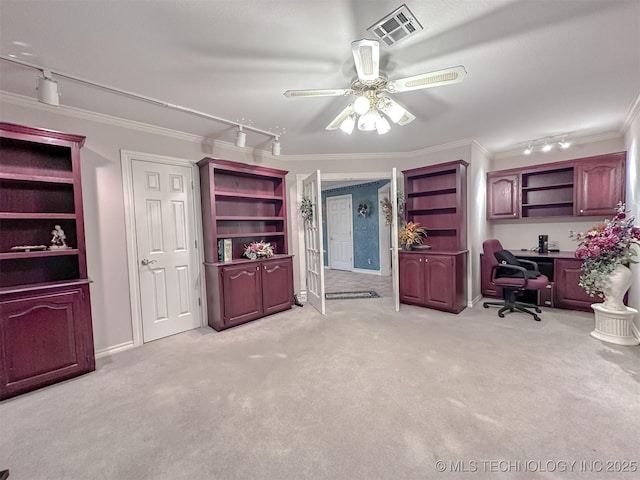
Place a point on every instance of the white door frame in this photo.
(328, 245)
(126, 158)
(384, 233)
(371, 176)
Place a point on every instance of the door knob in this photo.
(145, 262)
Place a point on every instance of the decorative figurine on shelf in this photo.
(58, 239)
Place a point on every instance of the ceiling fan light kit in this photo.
(369, 108)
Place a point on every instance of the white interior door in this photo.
(340, 232)
(165, 237)
(395, 267)
(313, 243)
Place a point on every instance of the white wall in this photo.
(478, 229)
(632, 145)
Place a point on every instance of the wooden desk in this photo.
(563, 270)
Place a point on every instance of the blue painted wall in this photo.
(366, 243)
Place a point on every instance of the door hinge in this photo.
(191, 184)
(196, 242)
(199, 302)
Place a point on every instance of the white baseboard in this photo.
(105, 352)
(368, 272)
(475, 301)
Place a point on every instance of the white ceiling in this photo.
(535, 68)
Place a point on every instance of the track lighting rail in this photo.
(143, 98)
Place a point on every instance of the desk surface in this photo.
(530, 254)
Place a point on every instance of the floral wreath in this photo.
(306, 209)
(364, 209)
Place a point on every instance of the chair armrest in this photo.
(519, 279)
(529, 262)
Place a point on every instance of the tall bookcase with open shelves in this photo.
(436, 198)
(241, 204)
(45, 314)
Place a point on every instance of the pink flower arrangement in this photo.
(257, 250)
(604, 247)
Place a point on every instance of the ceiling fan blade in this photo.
(331, 92)
(366, 54)
(341, 117)
(427, 80)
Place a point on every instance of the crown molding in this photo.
(484, 150)
(633, 111)
(28, 102)
(33, 104)
(383, 155)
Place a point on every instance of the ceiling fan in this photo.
(372, 104)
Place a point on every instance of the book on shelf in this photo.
(224, 250)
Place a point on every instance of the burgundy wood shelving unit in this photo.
(436, 197)
(244, 203)
(45, 312)
(580, 187)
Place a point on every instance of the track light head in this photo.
(241, 137)
(547, 147)
(275, 146)
(48, 89)
(528, 150)
(564, 144)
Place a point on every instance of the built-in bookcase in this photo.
(435, 197)
(243, 203)
(548, 193)
(45, 314)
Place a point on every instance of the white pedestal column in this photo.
(614, 326)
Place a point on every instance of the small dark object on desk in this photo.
(4, 474)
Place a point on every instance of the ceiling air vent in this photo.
(396, 26)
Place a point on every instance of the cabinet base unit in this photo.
(246, 290)
(46, 337)
(435, 280)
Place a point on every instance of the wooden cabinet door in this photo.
(411, 278)
(242, 293)
(439, 282)
(568, 294)
(486, 287)
(44, 339)
(277, 285)
(599, 185)
(503, 196)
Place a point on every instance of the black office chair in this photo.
(513, 276)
